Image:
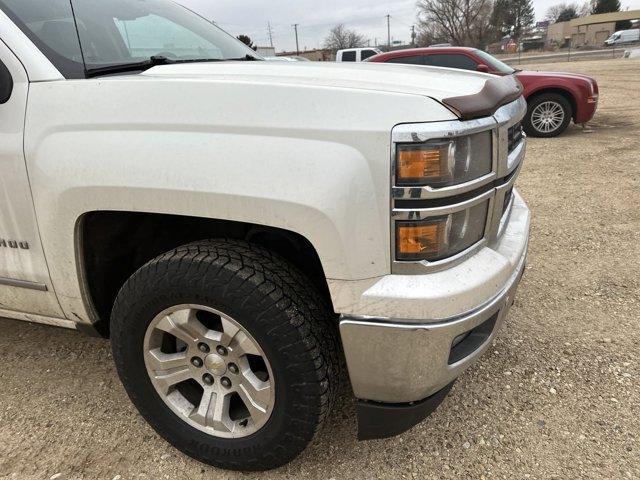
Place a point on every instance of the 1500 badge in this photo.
(13, 244)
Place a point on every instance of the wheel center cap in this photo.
(215, 364)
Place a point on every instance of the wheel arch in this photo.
(112, 245)
(567, 94)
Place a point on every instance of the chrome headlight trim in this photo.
(505, 164)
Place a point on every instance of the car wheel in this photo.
(228, 352)
(548, 115)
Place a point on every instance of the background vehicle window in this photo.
(50, 26)
(451, 61)
(367, 54)
(414, 60)
(348, 56)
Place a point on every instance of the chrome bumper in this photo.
(402, 361)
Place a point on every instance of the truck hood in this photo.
(437, 83)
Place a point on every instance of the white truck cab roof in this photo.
(356, 54)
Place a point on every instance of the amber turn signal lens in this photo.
(422, 164)
(420, 240)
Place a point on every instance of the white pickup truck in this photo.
(239, 228)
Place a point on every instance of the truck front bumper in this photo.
(396, 364)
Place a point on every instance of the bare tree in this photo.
(563, 12)
(554, 11)
(462, 22)
(585, 9)
(429, 34)
(341, 37)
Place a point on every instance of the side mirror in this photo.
(483, 68)
(6, 84)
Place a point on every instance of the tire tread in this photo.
(246, 270)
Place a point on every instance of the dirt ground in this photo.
(557, 396)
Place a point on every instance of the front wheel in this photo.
(548, 115)
(228, 352)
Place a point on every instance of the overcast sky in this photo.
(315, 18)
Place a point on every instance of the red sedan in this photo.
(554, 98)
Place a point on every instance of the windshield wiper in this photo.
(129, 67)
(145, 65)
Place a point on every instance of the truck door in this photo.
(25, 285)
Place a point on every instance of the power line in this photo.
(356, 22)
(312, 31)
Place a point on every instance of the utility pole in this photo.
(389, 31)
(270, 30)
(413, 35)
(295, 27)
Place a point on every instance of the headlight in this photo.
(441, 237)
(446, 162)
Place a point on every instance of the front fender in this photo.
(577, 93)
(295, 158)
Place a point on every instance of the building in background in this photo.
(592, 30)
(558, 34)
(266, 51)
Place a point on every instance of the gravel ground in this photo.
(556, 397)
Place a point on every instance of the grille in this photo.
(515, 136)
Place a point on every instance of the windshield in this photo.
(495, 64)
(94, 34)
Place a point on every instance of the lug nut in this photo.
(226, 383)
(203, 347)
(196, 362)
(233, 368)
(222, 351)
(207, 379)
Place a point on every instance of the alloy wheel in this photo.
(209, 371)
(547, 117)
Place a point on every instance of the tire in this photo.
(551, 104)
(280, 311)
